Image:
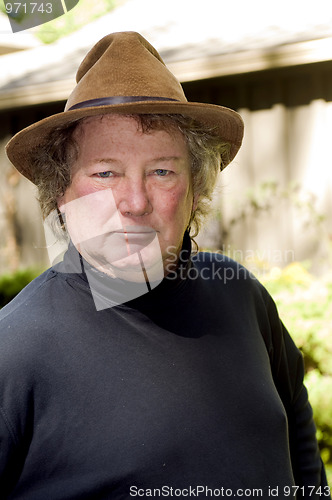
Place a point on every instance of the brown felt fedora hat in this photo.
(123, 73)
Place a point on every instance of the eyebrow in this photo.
(159, 158)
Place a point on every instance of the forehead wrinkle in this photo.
(82, 131)
(105, 160)
(152, 160)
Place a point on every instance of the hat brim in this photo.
(227, 124)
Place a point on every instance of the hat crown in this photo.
(123, 73)
(124, 64)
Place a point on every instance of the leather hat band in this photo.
(105, 101)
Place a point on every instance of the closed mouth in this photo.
(135, 230)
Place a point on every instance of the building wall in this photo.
(22, 242)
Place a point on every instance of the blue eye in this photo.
(105, 174)
(162, 172)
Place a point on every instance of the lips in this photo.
(136, 237)
(123, 242)
(116, 245)
(136, 230)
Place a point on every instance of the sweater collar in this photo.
(108, 292)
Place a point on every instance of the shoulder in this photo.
(239, 291)
(27, 314)
(41, 307)
(216, 265)
(35, 326)
(29, 295)
(230, 280)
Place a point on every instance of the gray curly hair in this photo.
(51, 162)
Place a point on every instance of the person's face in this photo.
(130, 199)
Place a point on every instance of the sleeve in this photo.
(288, 373)
(11, 460)
(17, 410)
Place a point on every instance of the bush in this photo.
(305, 306)
(12, 284)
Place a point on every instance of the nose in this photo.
(134, 199)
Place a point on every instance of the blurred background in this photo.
(273, 206)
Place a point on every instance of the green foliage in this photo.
(265, 197)
(12, 284)
(305, 306)
(83, 13)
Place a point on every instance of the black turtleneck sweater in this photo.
(194, 389)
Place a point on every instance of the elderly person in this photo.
(131, 367)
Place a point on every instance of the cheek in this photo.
(79, 188)
(176, 206)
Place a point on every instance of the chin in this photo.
(139, 267)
